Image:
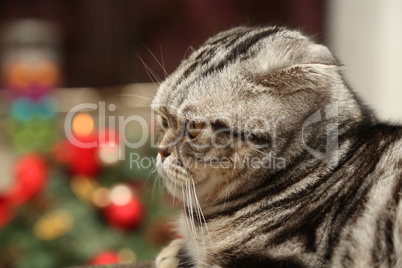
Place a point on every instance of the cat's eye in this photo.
(165, 123)
(194, 128)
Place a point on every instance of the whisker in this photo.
(163, 61)
(190, 201)
(153, 186)
(202, 213)
(134, 95)
(186, 199)
(199, 219)
(151, 74)
(174, 193)
(191, 211)
(160, 64)
(186, 217)
(202, 218)
(154, 75)
(157, 182)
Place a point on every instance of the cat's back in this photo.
(388, 140)
(373, 236)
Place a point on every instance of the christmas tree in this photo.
(74, 220)
(77, 194)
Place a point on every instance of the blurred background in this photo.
(84, 72)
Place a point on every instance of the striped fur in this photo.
(289, 169)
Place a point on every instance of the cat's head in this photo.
(234, 110)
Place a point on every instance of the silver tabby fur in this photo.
(289, 170)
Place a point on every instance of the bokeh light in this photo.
(83, 124)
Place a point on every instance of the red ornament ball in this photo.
(105, 257)
(84, 161)
(30, 173)
(124, 216)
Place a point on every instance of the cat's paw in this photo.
(168, 257)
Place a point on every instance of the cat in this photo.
(277, 162)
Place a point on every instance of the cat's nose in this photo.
(163, 153)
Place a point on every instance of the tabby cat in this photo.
(275, 159)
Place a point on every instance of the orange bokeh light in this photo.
(83, 124)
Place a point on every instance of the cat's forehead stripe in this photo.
(225, 36)
(232, 52)
(206, 55)
(240, 49)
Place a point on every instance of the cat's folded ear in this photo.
(316, 71)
